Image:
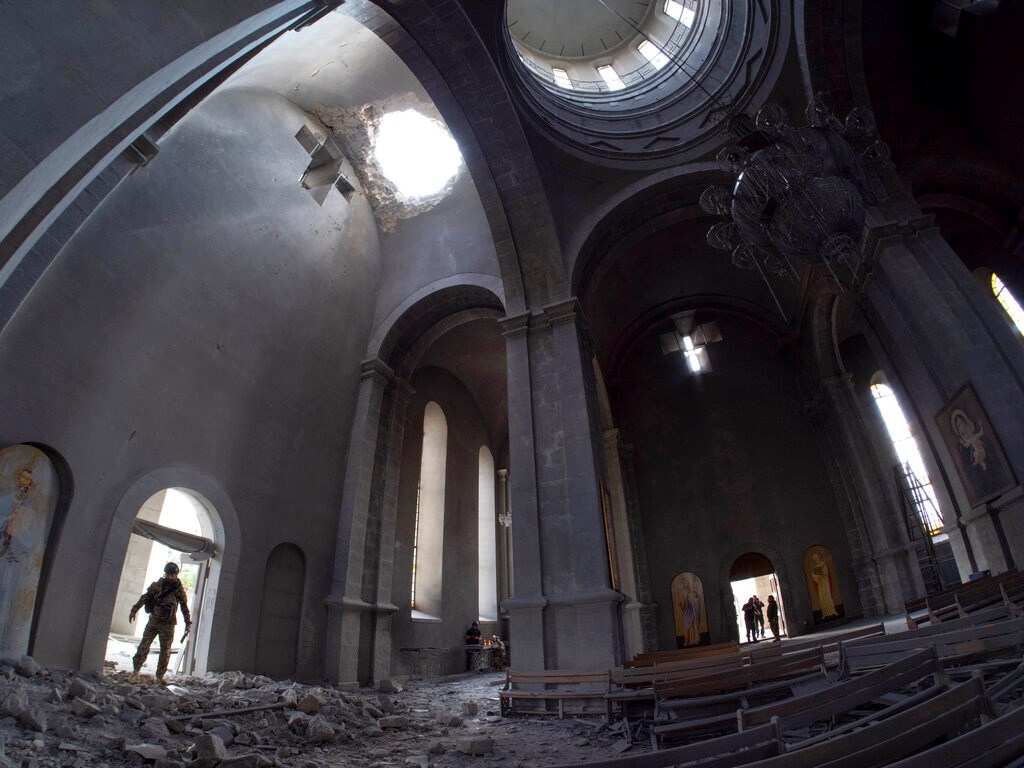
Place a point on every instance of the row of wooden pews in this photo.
(944, 694)
(959, 601)
(634, 691)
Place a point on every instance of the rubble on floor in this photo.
(61, 719)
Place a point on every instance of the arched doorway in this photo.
(173, 525)
(754, 574)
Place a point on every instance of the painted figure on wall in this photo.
(970, 437)
(974, 447)
(28, 497)
(690, 610)
(823, 584)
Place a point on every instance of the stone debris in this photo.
(479, 745)
(147, 751)
(83, 708)
(59, 719)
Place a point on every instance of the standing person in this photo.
(773, 617)
(750, 620)
(472, 637)
(164, 596)
(759, 615)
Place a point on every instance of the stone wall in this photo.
(466, 433)
(727, 463)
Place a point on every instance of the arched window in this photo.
(918, 481)
(1010, 304)
(486, 547)
(428, 538)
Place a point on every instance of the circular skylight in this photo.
(417, 154)
(648, 81)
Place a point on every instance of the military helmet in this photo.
(171, 569)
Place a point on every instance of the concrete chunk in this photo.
(476, 745)
(146, 751)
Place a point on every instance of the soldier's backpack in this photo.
(153, 600)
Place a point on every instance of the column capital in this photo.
(375, 368)
(836, 384)
(524, 604)
(502, 475)
(515, 326)
(403, 389)
(563, 312)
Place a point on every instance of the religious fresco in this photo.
(690, 610)
(972, 442)
(28, 498)
(823, 584)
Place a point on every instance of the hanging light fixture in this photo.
(799, 195)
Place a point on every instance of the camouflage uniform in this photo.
(161, 621)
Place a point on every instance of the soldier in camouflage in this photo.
(165, 595)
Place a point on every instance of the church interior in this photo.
(583, 320)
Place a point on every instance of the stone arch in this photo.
(420, 313)
(432, 303)
(633, 213)
(729, 557)
(823, 341)
(213, 634)
(66, 484)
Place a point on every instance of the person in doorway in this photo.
(162, 600)
(772, 609)
(750, 620)
(759, 616)
(472, 637)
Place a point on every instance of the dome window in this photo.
(611, 78)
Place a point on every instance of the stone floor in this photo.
(52, 719)
(58, 719)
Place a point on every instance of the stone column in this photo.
(348, 612)
(563, 612)
(526, 605)
(504, 537)
(940, 330)
(383, 607)
(632, 620)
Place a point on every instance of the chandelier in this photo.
(800, 191)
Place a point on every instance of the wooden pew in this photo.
(650, 658)
(992, 745)
(957, 645)
(823, 704)
(644, 676)
(948, 603)
(715, 714)
(733, 750)
(789, 665)
(636, 686)
(828, 643)
(879, 742)
(581, 685)
(1008, 584)
(844, 696)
